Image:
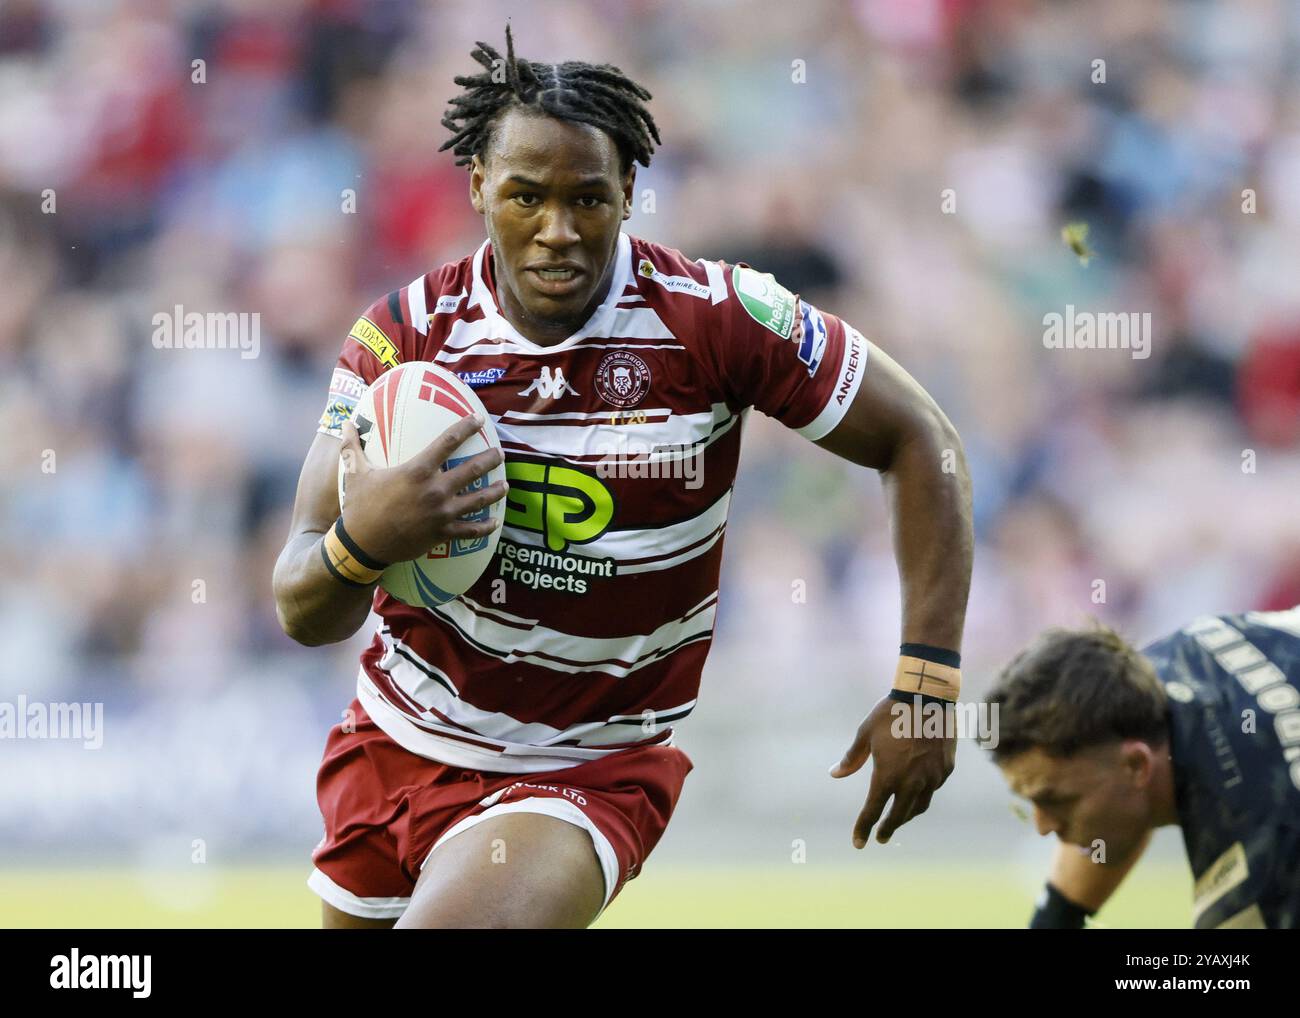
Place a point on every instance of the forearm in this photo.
(313, 607)
(927, 486)
(1087, 883)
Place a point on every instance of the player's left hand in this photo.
(907, 768)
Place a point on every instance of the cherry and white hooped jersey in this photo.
(588, 631)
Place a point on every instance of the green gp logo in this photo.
(564, 505)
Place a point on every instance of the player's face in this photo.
(551, 195)
(1097, 797)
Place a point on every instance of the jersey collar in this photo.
(483, 294)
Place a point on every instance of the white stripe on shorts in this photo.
(561, 809)
(345, 901)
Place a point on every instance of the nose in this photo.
(1044, 823)
(557, 230)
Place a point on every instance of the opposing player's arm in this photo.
(1077, 886)
(895, 427)
(325, 577)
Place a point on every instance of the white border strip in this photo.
(835, 409)
(345, 901)
(415, 300)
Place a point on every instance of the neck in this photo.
(1164, 796)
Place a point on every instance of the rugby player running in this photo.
(508, 760)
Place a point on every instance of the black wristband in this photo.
(1054, 911)
(925, 652)
(904, 696)
(356, 552)
(334, 570)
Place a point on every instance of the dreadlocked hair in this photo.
(596, 94)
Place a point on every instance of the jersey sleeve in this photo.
(773, 350)
(373, 345)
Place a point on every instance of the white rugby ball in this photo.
(397, 417)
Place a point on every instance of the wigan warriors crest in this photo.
(622, 378)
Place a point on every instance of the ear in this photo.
(628, 185)
(1139, 761)
(477, 174)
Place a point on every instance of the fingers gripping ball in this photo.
(397, 417)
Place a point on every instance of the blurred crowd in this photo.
(906, 164)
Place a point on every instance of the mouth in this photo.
(556, 282)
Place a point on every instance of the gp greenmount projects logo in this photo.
(566, 507)
(569, 508)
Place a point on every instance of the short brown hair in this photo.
(1073, 689)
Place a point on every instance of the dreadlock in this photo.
(596, 94)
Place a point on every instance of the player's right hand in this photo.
(399, 513)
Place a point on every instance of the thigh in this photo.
(332, 918)
(513, 870)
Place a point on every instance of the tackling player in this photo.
(1200, 729)
(510, 761)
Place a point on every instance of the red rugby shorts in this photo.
(386, 809)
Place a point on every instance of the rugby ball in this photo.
(406, 409)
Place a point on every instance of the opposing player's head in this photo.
(551, 151)
(1082, 734)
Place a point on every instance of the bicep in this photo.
(316, 505)
(889, 405)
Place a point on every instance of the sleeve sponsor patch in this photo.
(345, 391)
(852, 364)
(677, 284)
(372, 337)
(767, 301)
(810, 336)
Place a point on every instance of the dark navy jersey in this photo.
(1233, 683)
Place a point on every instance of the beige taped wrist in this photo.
(928, 678)
(346, 562)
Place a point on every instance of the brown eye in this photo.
(525, 199)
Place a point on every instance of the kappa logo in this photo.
(549, 386)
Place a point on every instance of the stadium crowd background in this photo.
(1139, 491)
